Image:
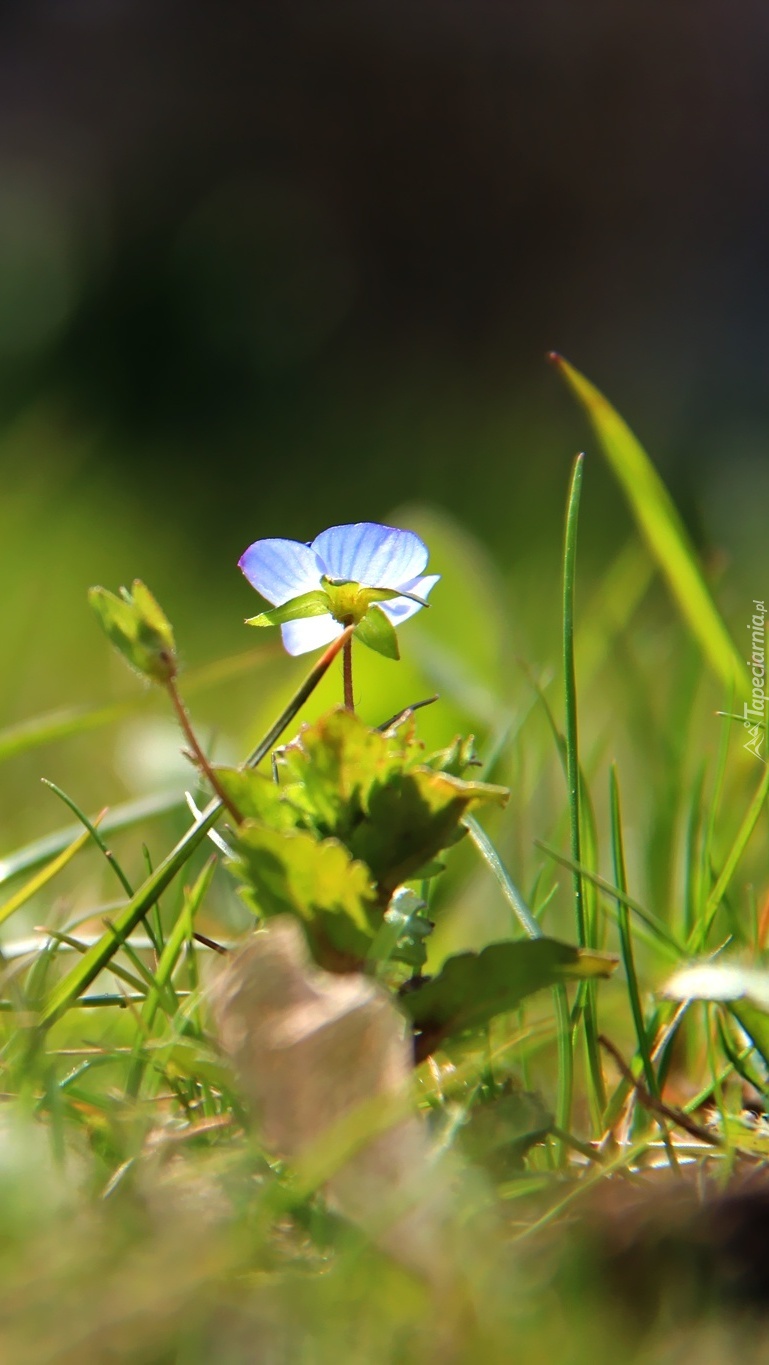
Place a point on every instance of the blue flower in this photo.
(358, 574)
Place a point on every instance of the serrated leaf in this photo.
(137, 626)
(402, 933)
(257, 797)
(315, 603)
(460, 755)
(317, 881)
(472, 988)
(412, 818)
(378, 632)
(335, 764)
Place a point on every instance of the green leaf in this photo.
(500, 1130)
(378, 632)
(662, 528)
(257, 797)
(317, 881)
(315, 603)
(472, 988)
(412, 818)
(402, 933)
(371, 791)
(335, 764)
(67, 991)
(138, 628)
(460, 755)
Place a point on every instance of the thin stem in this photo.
(570, 684)
(66, 992)
(347, 675)
(197, 753)
(585, 920)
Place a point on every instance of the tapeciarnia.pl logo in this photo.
(754, 713)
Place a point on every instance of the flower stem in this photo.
(78, 979)
(347, 674)
(197, 753)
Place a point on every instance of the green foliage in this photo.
(472, 988)
(502, 1127)
(348, 603)
(356, 813)
(661, 526)
(126, 1157)
(138, 628)
(378, 632)
(313, 603)
(402, 935)
(290, 871)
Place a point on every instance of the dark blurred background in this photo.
(268, 267)
(290, 263)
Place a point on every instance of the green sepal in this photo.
(361, 596)
(378, 632)
(315, 603)
(138, 627)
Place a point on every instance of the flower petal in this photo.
(401, 608)
(376, 556)
(280, 569)
(299, 637)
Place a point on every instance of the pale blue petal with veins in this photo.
(365, 552)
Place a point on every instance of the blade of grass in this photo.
(661, 935)
(69, 941)
(707, 860)
(530, 927)
(143, 973)
(493, 861)
(691, 839)
(41, 879)
(80, 977)
(626, 940)
(750, 820)
(94, 833)
(661, 527)
(585, 930)
(98, 1001)
(180, 934)
(125, 816)
(154, 920)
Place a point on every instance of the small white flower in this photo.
(343, 570)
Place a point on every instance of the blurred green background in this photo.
(269, 267)
(266, 268)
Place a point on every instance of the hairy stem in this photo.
(197, 753)
(347, 675)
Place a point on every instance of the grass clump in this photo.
(565, 918)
